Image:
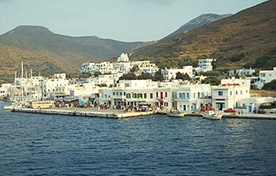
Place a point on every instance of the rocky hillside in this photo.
(241, 39)
(47, 52)
(197, 22)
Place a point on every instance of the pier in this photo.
(85, 112)
(119, 114)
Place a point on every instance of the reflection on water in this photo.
(154, 145)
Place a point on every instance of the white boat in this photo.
(8, 107)
(176, 114)
(212, 115)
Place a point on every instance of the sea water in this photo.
(32, 144)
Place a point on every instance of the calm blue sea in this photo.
(154, 145)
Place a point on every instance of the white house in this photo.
(204, 65)
(265, 76)
(103, 67)
(84, 90)
(109, 79)
(251, 105)
(192, 97)
(169, 74)
(5, 90)
(229, 93)
(242, 72)
(56, 86)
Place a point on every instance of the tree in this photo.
(134, 69)
(182, 76)
(97, 73)
(211, 80)
(158, 76)
(102, 85)
(270, 86)
(144, 76)
(128, 76)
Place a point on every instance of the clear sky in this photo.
(124, 20)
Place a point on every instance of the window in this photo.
(145, 95)
(184, 95)
(114, 93)
(166, 94)
(156, 94)
(151, 95)
(188, 95)
(231, 93)
(236, 92)
(140, 95)
(220, 93)
(241, 92)
(128, 95)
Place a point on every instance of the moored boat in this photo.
(212, 115)
(176, 114)
(8, 107)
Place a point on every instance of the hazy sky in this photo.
(125, 20)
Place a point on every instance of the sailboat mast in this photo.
(22, 70)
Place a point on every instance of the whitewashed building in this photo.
(229, 93)
(169, 74)
(109, 79)
(122, 65)
(103, 67)
(265, 76)
(5, 90)
(192, 97)
(251, 105)
(242, 72)
(56, 86)
(132, 92)
(204, 65)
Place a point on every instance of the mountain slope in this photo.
(234, 41)
(48, 52)
(197, 22)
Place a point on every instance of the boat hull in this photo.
(172, 114)
(212, 117)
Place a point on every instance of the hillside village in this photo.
(177, 89)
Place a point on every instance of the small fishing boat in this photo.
(212, 115)
(176, 114)
(8, 107)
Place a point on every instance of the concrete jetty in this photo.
(119, 114)
(84, 112)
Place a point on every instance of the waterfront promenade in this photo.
(119, 114)
(86, 112)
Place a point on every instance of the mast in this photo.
(22, 69)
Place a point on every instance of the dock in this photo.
(119, 114)
(84, 112)
(230, 116)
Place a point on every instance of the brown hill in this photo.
(49, 53)
(235, 41)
